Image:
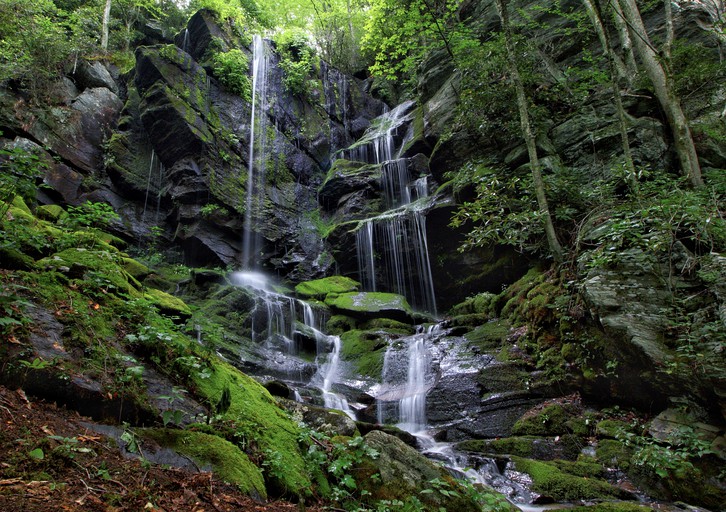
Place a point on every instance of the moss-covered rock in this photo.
(614, 506)
(553, 482)
(260, 420)
(319, 288)
(338, 324)
(367, 305)
(613, 454)
(490, 335)
(135, 268)
(365, 351)
(168, 304)
(532, 447)
(404, 472)
(227, 461)
(549, 421)
(50, 212)
(13, 259)
(100, 267)
(481, 303)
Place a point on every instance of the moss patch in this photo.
(371, 303)
(228, 462)
(168, 304)
(319, 288)
(551, 420)
(489, 336)
(259, 420)
(550, 480)
(365, 350)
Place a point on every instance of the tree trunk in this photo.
(594, 14)
(104, 25)
(595, 11)
(529, 136)
(685, 148)
(625, 42)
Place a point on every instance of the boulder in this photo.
(94, 74)
(404, 472)
(371, 305)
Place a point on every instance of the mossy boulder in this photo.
(168, 304)
(228, 462)
(320, 288)
(13, 259)
(338, 324)
(367, 305)
(549, 421)
(50, 212)
(365, 351)
(404, 473)
(480, 303)
(490, 335)
(259, 419)
(135, 268)
(554, 482)
(531, 447)
(99, 267)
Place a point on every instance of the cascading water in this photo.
(251, 242)
(154, 165)
(186, 45)
(330, 373)
(392, 249)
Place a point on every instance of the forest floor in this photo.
(51, 461)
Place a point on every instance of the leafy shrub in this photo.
(231, 69)
(296, 60)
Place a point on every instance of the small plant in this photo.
(90, 214)
(231, 69)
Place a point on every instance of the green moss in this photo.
(551, 481)
(365, 350)
(15, 260)
(586, 467)
(338, 324)
(259, 419)
(520, 446)
(388, 325)
(369, 302)
(612, 428)
(551, 420)
(319, 288)
(51, 212)
(135, 268)
(480, 303)
(613, 454)
(489, 336)
(228, 462)
(168, 304)
(100, 266)
(19, 203)
(496, 378)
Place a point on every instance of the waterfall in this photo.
(330, 374)
(406, 379)
(392, 249)
(276, 316)
(186, 42)
(413, 405)
(251, 242)
(364, 252)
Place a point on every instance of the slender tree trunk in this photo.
(595, 12)
(597, 23)
(625, 41)
(685, 148)
(668, 44)
(529, 136)
(104, 25)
